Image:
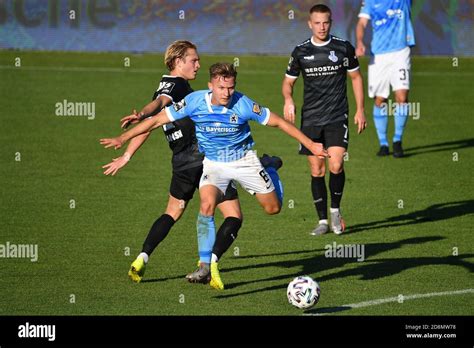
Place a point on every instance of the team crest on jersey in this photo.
(165, 87)
(179, 105)
(332, 56)
(256, 108)
(234, 118)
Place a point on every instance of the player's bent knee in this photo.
(272, 209)
(318, 173)
(318, 170)
(336, 168)
(207, 208)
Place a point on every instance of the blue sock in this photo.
(381, 123)
(276, 182)
(401, 117)
(206, 233)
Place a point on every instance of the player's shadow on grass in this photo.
(368, 270)
(154, 280)
(439, 147)
(317, 262)
(435, 212)
(280, 254)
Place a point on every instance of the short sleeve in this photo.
(253, 111)
(293, 70)
(353, 62)
(365, 9)
(180, 109)
(173, 88)
(165, 88)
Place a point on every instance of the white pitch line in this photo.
(396, 299)
(161, 71)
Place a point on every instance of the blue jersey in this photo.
(223, 132)
(391, 24)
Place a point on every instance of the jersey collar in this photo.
(175, 77)
(321, 44)
(208, 98)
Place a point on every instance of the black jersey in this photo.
(180, 134)
(324, 68)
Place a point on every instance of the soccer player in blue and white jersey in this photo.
(221, 117)
(392, 37)
(182, 61)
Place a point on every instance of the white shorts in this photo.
(389, 69)
(247, 171)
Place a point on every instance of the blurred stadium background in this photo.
(271, 27)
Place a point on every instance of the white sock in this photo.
(323, 222)
(144, 256)
(214, 258)
(334, 210)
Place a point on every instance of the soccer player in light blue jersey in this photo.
(392, 37)
(221, 117)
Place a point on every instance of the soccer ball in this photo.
(303, 292)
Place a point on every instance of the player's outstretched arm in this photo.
(117, 163)
(358, 88)
(144, 127)
(316, 148)
(151, 109)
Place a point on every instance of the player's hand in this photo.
(113, 167)
(130, 119)
(109, 142)
(360, 121)
(318, 150)
(360, 50)
(289, 111)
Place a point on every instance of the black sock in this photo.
(320, 196)
(336, 186)
(226, 235)
(157, 233)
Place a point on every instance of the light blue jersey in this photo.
(223, 132)
(391, 24)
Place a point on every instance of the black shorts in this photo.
(332, 134)
(185, 182)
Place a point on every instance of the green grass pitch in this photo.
(414, 215)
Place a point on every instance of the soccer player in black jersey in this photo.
(324, 61)
(182, 60)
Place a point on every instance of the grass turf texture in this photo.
(410, 213)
